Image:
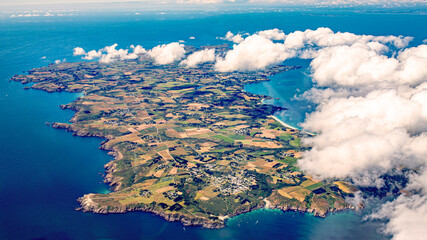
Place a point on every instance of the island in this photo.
(189, 144)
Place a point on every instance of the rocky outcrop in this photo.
(315, 211)
(114, 182)
(88, 205)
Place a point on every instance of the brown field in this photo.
(165, 155)
(133, 130)
(179, 151)
(289, 189)
(191, 165)
(172, 133)
(197, 106)
(159, 173)
(266, 144)
(126, 138)
(299, 193)
(144, 126)
(296, 154)
(164, 189)
(271, 133)
(141, 160)
(241, 126)
(197, 131)
(167, 100)
(147, 183)
(206, 193)
(284, 194)
(173, 171)
(320, 202)
(260, 165)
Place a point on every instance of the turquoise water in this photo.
(43, 170)
(285, 88)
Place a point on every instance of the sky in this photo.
(211, 2)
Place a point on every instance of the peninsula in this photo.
(189, 144)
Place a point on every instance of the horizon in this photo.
(219, 3)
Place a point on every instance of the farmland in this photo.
(189, 144)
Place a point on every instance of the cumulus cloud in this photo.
(371, 117)
(274, 34)
(325, 37)
(167, 53)
(259, 50)
(202, 56)
(162, 54)
(406, 217)
(255, 52)
(233, 38)
(138, 49)
(92, 55)
(58, 61)
(78, 51)
(110, 54)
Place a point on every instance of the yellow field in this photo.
(206, 193)
(284, 194)
(307, 183)
(345, 187)
(300, 194)
(126, 138)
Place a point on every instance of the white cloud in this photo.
(92, 55)
(363, 135)
(162, 54)
(58, 61)
(372, 112)
(255, 52)
(202, 56)
(138, 49)
(273, 34)
(325, 37)
(258, 51)
(78, 51)
(110, 54)
(167, 53)
(233, 38)
(406, 217)
(371, 118)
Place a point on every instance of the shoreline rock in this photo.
(88, 205)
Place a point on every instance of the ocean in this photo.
(44, 170)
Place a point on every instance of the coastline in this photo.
(88, 205)
(92, 203)
(289, 126)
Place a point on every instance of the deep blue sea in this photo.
(43, 170)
